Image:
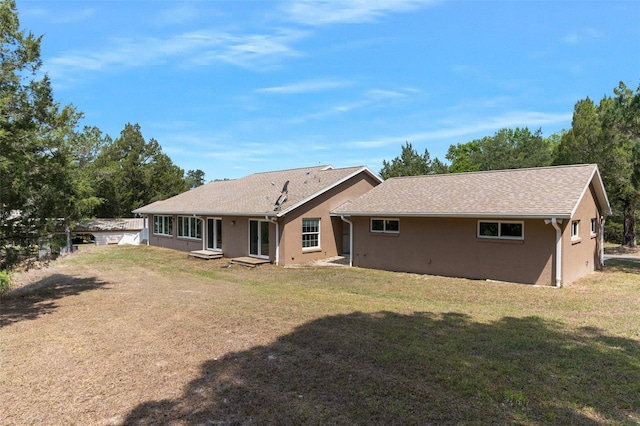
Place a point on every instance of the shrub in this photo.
(5, 282)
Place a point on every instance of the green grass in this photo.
(351, 346)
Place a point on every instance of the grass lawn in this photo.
(141, 336)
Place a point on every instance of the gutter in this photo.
(344, 219)
(275, 221)
(556, 225)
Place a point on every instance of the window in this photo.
(163, 225)
(310, 233)
(501, 229)
(388, 226)
(189, 227)
(594, 230)
(575, 230)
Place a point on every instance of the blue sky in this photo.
(237, 87)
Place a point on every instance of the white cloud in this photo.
(197, 48)
(322, 12)
(306, 87)
(582, 35)
(518, 119)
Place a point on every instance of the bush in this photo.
(613, 231)
(5, 282)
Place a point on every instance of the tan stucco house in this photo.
(282, 216)
(535, 226)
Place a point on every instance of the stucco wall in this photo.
(235, 229)
(450, 247)
(291, 251)
(581, 256)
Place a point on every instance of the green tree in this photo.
(194, 178)
(409, 163)
(608, 134)
(33, 133)
(507, 149)
(135, 172)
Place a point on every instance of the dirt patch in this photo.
(142, 336)
(622, 250)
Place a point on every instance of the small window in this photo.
(501, 229)
(189, 227)
(594, 224)
(389, 226)
(310, 233)
(163, 225)
(575, 229)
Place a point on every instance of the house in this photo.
(112, 231)
(282, 217)
(535, 226)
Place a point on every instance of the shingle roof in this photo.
(536, 192)
(255, 194)
(97, 225)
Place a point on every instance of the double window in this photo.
(507, 230)
(163, 225)
(386, 226)
(189, 227)
(310, 234)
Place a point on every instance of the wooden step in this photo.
(250, 262)
(205, 254)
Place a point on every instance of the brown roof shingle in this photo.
(535, 192)
(255, 194)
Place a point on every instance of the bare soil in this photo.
(141, 336)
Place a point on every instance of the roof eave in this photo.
(475, 215)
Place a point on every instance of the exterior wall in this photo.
(235, 229)
(291, 251)
(581, 256)
(235, 236)
(173, 242)
(450, 247)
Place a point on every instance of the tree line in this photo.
(52, 172)
(605, 133)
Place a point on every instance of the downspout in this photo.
(555, 223)
(602, 220)
(275, 220)
(350, 238)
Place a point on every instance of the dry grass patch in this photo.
(139, 335)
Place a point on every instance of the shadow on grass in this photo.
(39, 298)
(623, 265)
(388, 368)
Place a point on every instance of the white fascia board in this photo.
(601, 194)
(328, 188)
(456, 215)
(212, 214)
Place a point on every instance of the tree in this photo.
(506, 149)
(194, 178)
(409, 163)
(608, 134)
(33, 133)
(136, 172)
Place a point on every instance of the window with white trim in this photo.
(385, 226)
(575, 229)
(508, 230)
(310, 233)
(594, 224)
(189, 227)
(163, 225)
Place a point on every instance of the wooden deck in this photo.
(250, 262)
(205, 254)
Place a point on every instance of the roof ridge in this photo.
(498, 171)
(289, 170)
